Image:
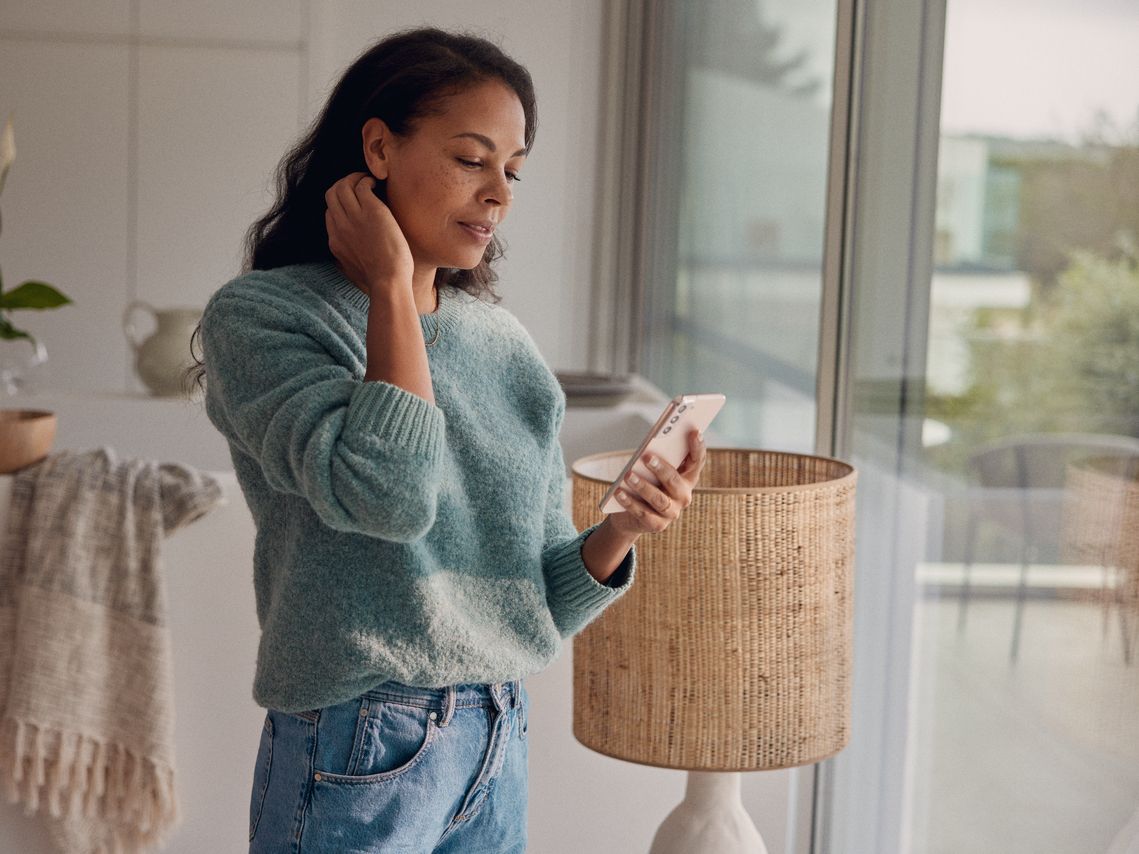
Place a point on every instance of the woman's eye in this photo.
(477, 164)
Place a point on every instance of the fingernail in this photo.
(654, 462)
(622, 497)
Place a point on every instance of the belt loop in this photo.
(448, 705)
(516, 686)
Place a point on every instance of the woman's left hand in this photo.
(650, 509)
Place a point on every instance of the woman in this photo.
(396, 439)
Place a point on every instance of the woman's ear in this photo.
(377, 141)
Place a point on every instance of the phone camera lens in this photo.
(684, 407)
(666, 429)
(674, 419)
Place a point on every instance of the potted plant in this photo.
(26, 435)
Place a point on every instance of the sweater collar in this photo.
(444, 319)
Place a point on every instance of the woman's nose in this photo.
(499, 191)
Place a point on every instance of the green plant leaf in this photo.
(10, 332)
(32, 295)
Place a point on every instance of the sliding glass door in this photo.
(907, 234)
(995, 417)
(740, 139)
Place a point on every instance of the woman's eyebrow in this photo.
(488, 142)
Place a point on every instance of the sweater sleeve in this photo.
(575, 597)
(364, 455)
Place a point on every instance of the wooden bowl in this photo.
(26, 436)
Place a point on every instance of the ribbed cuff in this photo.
(396, 416)
(574, 588)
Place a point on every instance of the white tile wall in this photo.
(98, 17)
(65, 203)
(213, 122)
(249, 20)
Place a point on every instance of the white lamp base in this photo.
(710, 820)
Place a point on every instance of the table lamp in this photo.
(732, 651)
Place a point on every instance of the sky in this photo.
(1018, 68)
(1040, 68)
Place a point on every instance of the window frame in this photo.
(878, 241)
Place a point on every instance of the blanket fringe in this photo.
(85, 782)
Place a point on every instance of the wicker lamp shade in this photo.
(732, 651)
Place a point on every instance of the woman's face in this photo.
(449, 180)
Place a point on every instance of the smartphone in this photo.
(668, 439)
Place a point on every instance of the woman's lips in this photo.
(481, 233)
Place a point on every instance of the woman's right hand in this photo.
(364, 237)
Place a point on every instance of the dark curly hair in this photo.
(400, 79)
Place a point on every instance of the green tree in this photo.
(1093, 357)
(1069, 362)
(736, 39)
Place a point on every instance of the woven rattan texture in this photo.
(732, 651)
(1101, 519)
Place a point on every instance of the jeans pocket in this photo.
(390, 739)
(309, 717)
(261, 776)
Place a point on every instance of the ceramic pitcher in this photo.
(162, 358)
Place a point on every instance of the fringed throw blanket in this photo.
(86, 684)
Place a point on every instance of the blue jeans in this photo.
(398, 770)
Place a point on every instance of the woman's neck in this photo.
(423, 287)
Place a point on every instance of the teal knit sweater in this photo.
(396, 539)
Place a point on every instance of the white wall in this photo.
(143, 144)
(147, 132)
